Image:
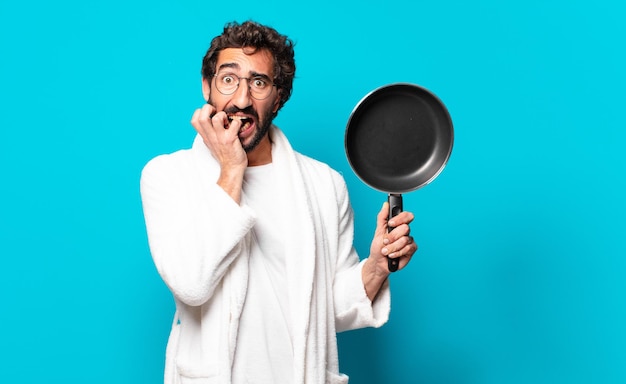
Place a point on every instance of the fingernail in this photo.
(385, 251)
(392, 223)
(386, 241)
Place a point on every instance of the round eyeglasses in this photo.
(260, 86)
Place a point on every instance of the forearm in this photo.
(373, 278)
(231, 181)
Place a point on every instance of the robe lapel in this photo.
(300, 245)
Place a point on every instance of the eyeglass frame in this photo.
(239, 78)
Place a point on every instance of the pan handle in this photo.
(395, 207)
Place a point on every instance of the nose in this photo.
(241, 97)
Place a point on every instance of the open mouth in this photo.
(245, 121)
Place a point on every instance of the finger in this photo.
(399, 232)
(404, 217)
(402, 247)
(205, 112)
(403, 262)
(381, 218)
(234, 126)
(198, 125)
(381, 223)
(195, 118)
(219, 120)
(200, 118)
(405, 254)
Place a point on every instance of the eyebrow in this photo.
(236, 66)
(229, 65)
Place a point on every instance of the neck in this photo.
(261, 154)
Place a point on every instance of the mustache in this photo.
(248, 111)
(232, 110)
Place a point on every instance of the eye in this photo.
(259, 83)
(228, 79)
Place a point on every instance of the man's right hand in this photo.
(222, 139)
(220, 136)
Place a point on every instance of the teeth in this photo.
(236, 117)
(244, 126)
(245, 121)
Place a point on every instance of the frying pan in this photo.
(398, 138)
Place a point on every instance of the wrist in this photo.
(231, 181)
(373, 277)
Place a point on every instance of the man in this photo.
(255, 240)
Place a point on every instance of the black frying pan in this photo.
(398, 139)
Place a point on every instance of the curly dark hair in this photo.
(254, 35)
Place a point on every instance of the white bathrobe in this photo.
(201, 241)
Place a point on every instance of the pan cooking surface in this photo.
(399, 138)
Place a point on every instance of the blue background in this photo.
(520, 273)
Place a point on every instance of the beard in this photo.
(262, 125)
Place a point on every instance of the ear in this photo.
(277, 102)
(206, 89)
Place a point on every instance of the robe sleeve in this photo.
(353, 309)
(195, 230)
